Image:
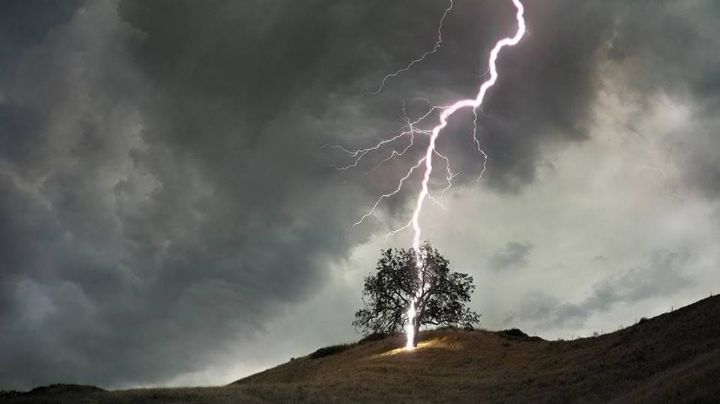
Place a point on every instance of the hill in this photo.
(674, 357)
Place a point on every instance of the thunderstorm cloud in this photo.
(513, 255)
(169, 215)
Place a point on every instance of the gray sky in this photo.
(168, 216)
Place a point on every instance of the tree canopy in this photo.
(440, 296)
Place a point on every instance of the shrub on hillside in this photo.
(330, 350)
(376, 336)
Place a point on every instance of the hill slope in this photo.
(671, 358)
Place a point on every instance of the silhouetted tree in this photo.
(440, 296)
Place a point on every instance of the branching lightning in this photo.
(425, 163)
(421, 58)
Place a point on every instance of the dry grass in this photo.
(672, 358)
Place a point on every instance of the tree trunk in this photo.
(416, 335)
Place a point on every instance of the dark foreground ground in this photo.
(674, 357)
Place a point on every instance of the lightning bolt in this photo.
(421, 58)
(411, 129)
(437, 130)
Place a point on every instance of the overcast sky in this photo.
(168, 215)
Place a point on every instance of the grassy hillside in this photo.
(671, 358)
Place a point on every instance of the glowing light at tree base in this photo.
(410, 327)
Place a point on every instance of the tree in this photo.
(439, 296)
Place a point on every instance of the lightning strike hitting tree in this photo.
(388, 292)
(425, 163)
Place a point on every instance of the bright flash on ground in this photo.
(431, 344)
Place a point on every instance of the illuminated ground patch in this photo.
(443, 343)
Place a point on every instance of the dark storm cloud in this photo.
(544, 95)
(513, 256)
(164, 191)
(671, 47)
(24, 23)
(664, 275)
